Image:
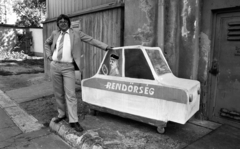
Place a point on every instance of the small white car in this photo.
(136, 82)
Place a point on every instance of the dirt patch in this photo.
(44, 109)
(118, 132)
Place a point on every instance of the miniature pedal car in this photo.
(136, 82)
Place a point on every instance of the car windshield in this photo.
(158, 61)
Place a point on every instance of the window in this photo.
(136, 65)
(112, 64)
(158, 61)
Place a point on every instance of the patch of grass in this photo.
(26, 66)
(30, 62)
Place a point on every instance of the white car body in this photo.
(161, 97)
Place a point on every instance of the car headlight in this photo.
(199, 91)
(190, 98)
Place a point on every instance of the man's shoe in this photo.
(76, 126)
(57, 120)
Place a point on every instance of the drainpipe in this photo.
(160, 26)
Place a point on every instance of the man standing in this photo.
(62, 48)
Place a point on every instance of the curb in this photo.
(88, 139)
(25, 122)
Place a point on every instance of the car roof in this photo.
(136, 46)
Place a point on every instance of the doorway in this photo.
(225, 69)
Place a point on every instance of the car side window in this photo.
(112, 64)
(136, 65)
(158, 61)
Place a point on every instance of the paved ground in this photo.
(16, 132)
(104, 130)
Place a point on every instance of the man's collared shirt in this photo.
(66, 53)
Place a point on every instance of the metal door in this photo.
(225, 69)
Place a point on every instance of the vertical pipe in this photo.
(160, 26)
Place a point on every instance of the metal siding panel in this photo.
(47, 9)
(93, 24)
(84, 49)
(84, 4)
(99, 35)
(104, 1)
(109, 27)
(69, 7)
(114, 35)
(80, 5)
(62, 6)
(105, 27)
(52, 9)
(96, 3)
(89, 46)
(111, 21)
(96, 31)
(57, 7)
(89, 4)
(66, 7)
(118, 31)
(75, 5)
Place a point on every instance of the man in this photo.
(62, 48)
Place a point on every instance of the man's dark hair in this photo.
(65, 17)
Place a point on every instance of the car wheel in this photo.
(161, 130)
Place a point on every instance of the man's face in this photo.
(63, 25)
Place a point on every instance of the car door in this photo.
(127, 80)
(140, 82)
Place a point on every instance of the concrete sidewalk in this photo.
(19, 130)
(102, 131)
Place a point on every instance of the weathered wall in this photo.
(140, 22)
(189, 39)
(181, 37)
(171, 33)
(205, 43)
(206, 31)
(181, 31)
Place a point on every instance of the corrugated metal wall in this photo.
(105, 25)
(57, 7)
